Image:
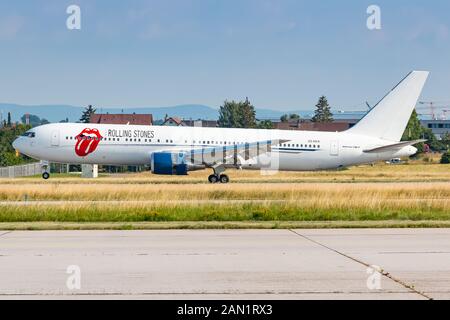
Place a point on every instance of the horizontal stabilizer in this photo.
(395, 146)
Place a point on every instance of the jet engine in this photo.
(168, 163)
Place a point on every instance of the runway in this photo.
(226, 264)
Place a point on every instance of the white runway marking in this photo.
(226, 264)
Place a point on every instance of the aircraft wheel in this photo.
(213, 178)
(224, 178)
(45, 175)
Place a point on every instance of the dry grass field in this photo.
(364, 194)
(412, 172)
(414, 194)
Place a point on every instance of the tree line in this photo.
(8, 133)
(242, 114)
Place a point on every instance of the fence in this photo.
(21, 171)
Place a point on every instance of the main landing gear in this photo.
(214, 178)
(218, 175)
(45, 167)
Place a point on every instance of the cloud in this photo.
(10, 26)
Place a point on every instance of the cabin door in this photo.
(334, 148)
(55, 138)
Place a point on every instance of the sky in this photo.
(281, 54)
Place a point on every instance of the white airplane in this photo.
(177, 150)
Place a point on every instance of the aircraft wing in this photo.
(394, 146)
(231, 154)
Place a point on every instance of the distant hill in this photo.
(53, 113)
(56, 113)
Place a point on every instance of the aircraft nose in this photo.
(19, 144)
(413, 150)
(15, 144)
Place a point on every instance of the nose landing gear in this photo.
(45, 170)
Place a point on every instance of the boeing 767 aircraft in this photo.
(177, 150)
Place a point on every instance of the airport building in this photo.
(439, 127)
(201, 123)
(308, 125)
(173, 122)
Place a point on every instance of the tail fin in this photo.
(389, 118)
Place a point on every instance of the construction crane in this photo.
(432, 106)
(444, 112)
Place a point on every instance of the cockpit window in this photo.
(29, 134)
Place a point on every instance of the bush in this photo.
(445, 158)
